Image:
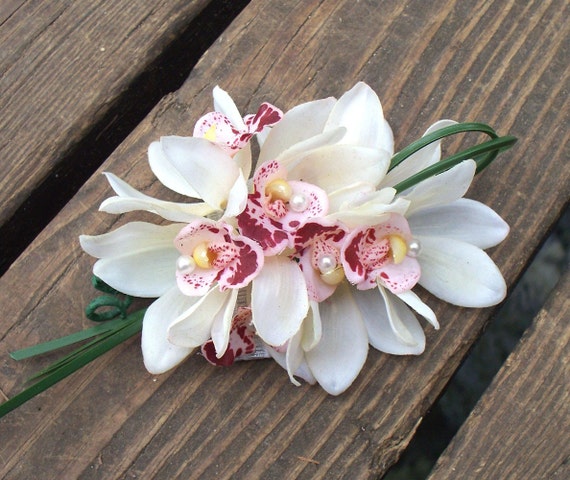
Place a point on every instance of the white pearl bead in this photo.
(298, 202)
(414, 248)
(326, 263)
(185, 264)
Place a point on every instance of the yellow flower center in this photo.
(211, 133)
(333, 277)
(203, 256)
(278, 189)
(398, 248)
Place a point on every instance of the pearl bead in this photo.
(334, 277)
(185, 264)
(298, 202)
(414, 248)
(326, 263)
(203, 256)
(278, 189)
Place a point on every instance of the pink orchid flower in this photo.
(232, 137)
(241, 342)
(318, 244)
(381, 254)
(277, 207)
(211, 253)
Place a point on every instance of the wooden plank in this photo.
(498, 62)
(521, 426)
(63, 66)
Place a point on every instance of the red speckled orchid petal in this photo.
(313, 240)
(352, 254)
(266, 116)
(236, 259)
(317, 289)
(317, 205)
(399, 278)
(254, 223)
(196, 283)
(266, 173)
(367, 258)
(245, 266)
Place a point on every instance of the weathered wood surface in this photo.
(63, 65)
(501, 62)
(521, 426)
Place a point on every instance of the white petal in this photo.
(237, 198)
(340, 355)
(203, 165)
(391, 326)
(223, 323)
(138, 258)
(133, 237)
(243, 160)
(130, 199)
(223, 103)
(464, 219)
(158, 353)
(360, 111)
(279, 300)
(372, 212)
(298, 124)
(175, 212)
(460, 273)
(443, 188)
(423, 158)
(193, 327)
(312, 328)
(420, 307)
(302, 372)
(296, 153)
(168, 175)
(339, 199)
(336, 166)
(294, 357)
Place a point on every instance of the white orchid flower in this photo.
(195, 271)
(449, 233)
(338, 145)
(315, 153)
(437, 239)
(212, 166)
(329, 247)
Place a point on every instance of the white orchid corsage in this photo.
(308, 258)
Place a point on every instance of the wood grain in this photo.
(501, 62)
(63, 65)
(521, 426)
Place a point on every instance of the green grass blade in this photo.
(132, 325)
(64, 341)
(78, 351)
(438, 135)
(484, 153)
